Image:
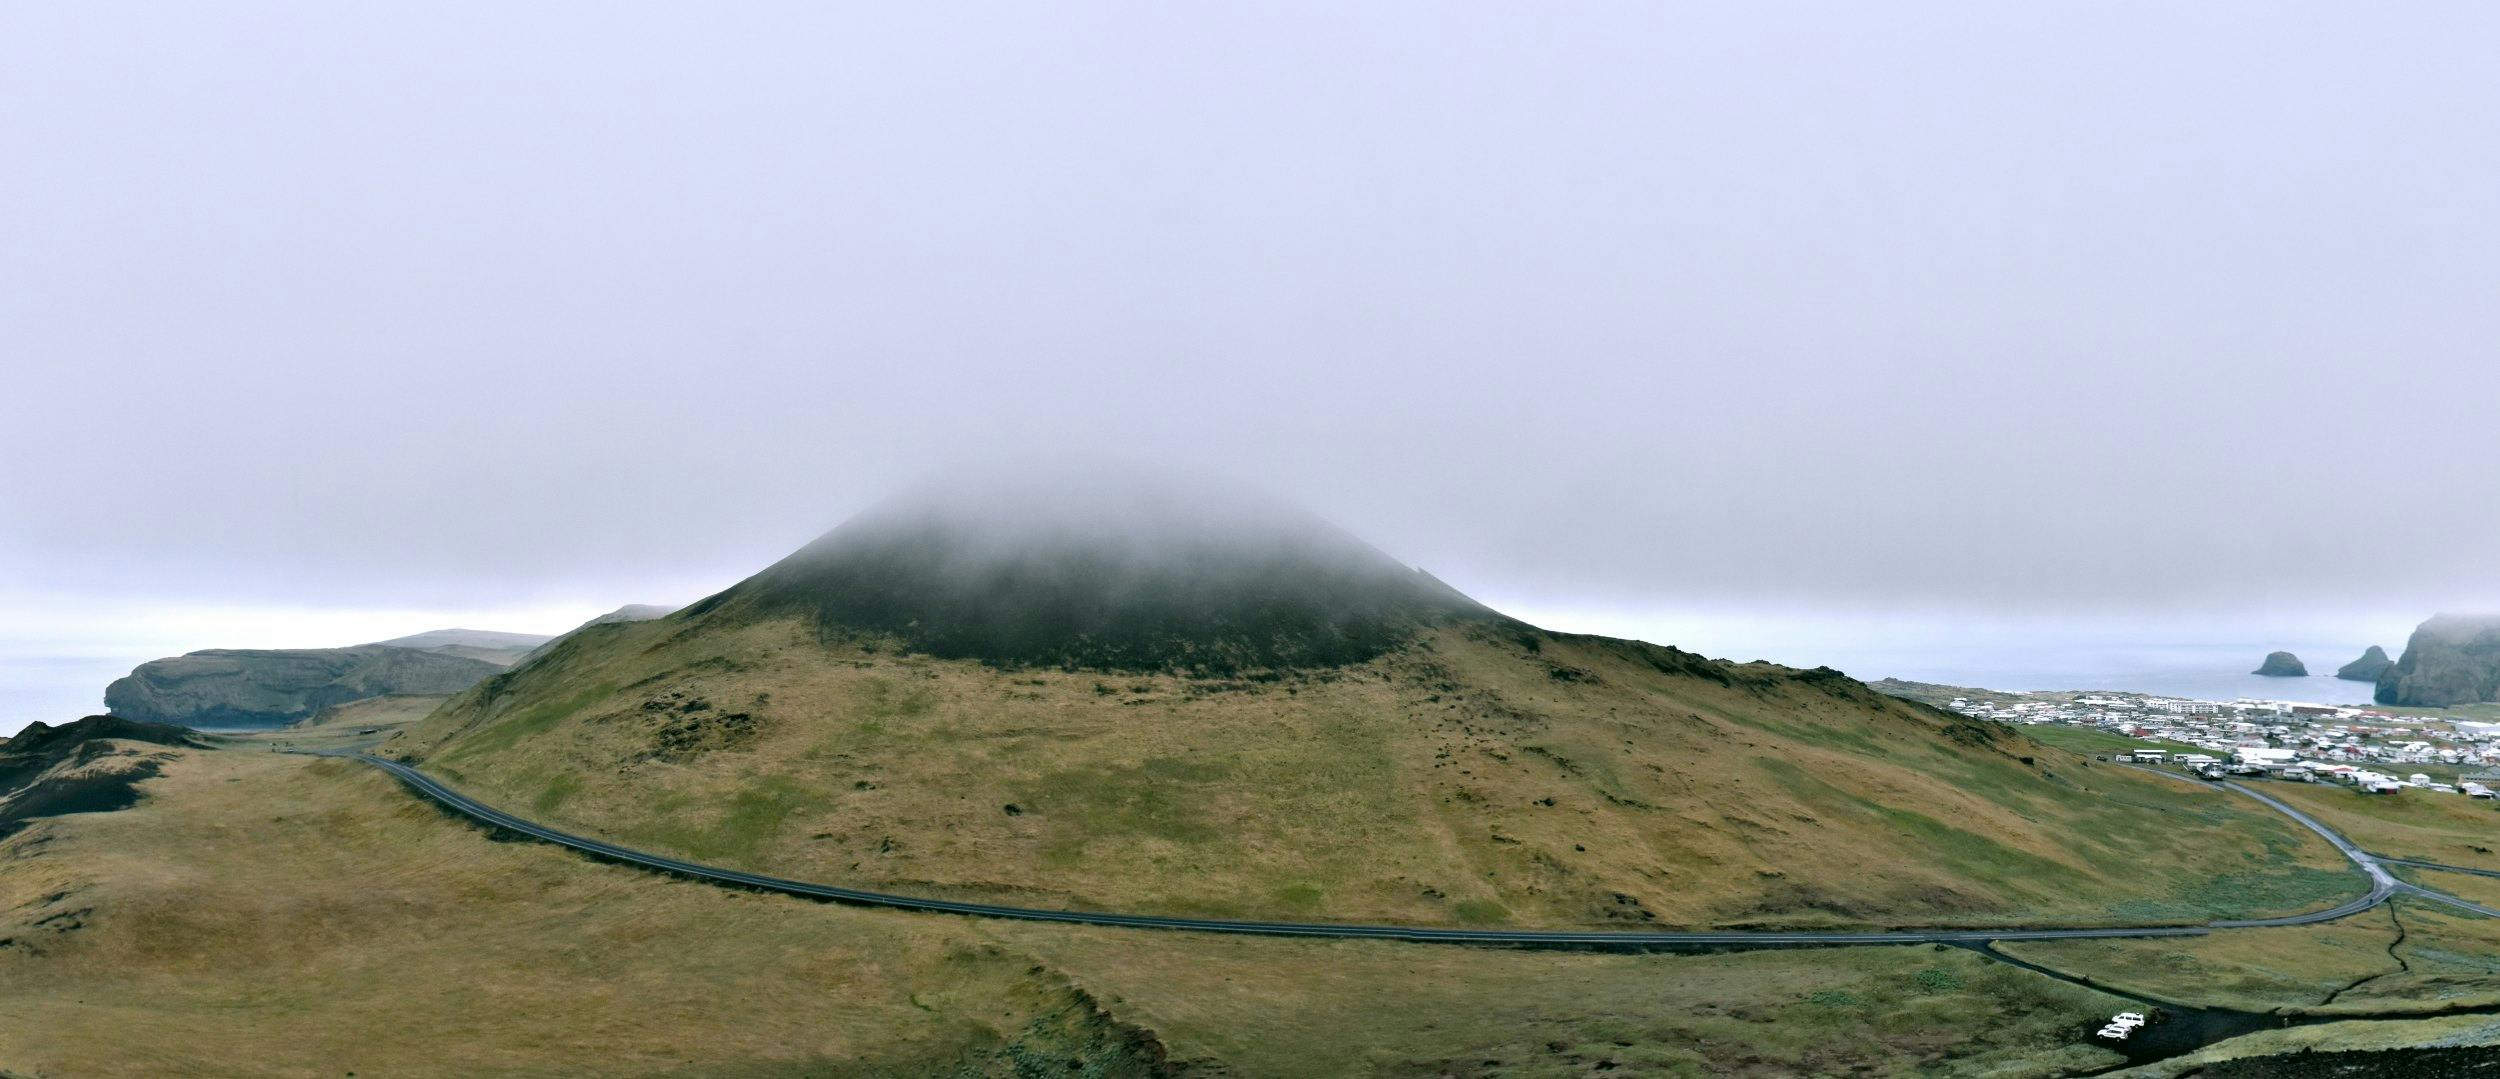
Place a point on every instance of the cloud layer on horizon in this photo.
(2009, 312)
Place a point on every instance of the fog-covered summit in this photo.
(1100, 570)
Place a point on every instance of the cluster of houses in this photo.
(2361, 747)
(2287, 764)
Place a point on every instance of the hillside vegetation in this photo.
(1142, 699)
(285, 915)
(94, 764)
(1481, 773)
(491, 646)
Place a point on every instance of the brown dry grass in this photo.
(2445, 828)
(264, 914)
(2247, 969)
(2483, 890)
(2444, 959)
(269, 914)
(1473, 778)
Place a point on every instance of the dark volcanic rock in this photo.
(40, 737)
(273, 687)
(2445, 1062)
(46, 771)
(1132, 576)
(2372, 664)
(2282, 665)
(2452, 659)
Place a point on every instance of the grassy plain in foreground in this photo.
(276, 914)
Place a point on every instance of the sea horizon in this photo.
(56, 688)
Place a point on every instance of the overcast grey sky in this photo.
(2118, 310)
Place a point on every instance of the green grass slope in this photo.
(1479, 773)
(1145, 699)
(264, 914)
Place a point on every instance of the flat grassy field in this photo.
(2249, 970)
(2446, 828)
(1472, 778)
(2410, 956)
(2088, 740)
(273, 914)
(2467, 886)
(1389, 1010)
(342, 726)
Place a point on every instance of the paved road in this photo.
(2383, 886)
(2434, 894)
(2382, 883)
(2419, 864)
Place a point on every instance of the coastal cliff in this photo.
(2451, 659)
(2368, 668)
(269, 687)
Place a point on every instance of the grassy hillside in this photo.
(271, 914)
(277, 914)
(2425, 825)
(370, 712)
(1479, 773)
(91, 765)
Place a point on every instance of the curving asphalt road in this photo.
(2383, 885)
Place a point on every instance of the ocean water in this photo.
(2219, 672)
(55, 688)
(2205, 657)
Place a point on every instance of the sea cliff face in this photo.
(235, 687)
(2368, 668)
(2452, 659)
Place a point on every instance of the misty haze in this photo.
(1265, 541)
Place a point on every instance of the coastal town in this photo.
(2370, 749)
